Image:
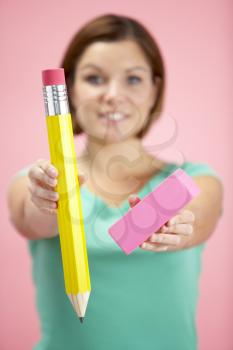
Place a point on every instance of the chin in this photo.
(109, 134)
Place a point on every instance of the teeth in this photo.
(115, 116)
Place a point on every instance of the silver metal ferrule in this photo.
(55, 100)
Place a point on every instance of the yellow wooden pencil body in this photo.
(70, 218)
(69, 212)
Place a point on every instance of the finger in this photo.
(186, 216)
(133, 200)
(48, 168)
(43, 193)
(48, 211)
(36, 173)
(42, 203)
(152, 247)
(164, 238)
(183, 229)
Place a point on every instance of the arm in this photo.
(195, 223)
(207, 208)
(28, 220)
(200, 215)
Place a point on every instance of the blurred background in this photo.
(196, 41)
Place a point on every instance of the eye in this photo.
(134, 79)
(95, 79)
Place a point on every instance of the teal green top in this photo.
(145, 300)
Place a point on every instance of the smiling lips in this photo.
(113, 117)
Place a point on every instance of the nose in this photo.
(112, 92)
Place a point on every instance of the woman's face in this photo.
(113, 91)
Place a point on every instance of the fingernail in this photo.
(52, 182)
(133, 196)
(52, 170)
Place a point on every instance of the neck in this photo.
(121, 159)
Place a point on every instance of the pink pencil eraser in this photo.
(154, 210)
(53, 76)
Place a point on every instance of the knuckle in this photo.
(43, 163)
(50, 169)
(52, 195)
(34, 201)
(160, 238)
(176, 239)
(49, 181)
(35, 173)
(39, 192)
(47, 166)
(38, 162)
(29, 187)
(48, 210)
(40, 175)
(47, 195)
(190, 229)
(31, 172)
(44, 210)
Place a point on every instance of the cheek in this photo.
(85, 102)
(142, 97)
(84, 92)
(142, 106)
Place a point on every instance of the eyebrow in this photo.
(90, 65)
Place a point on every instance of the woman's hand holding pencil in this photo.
(42, 186)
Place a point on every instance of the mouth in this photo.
(113, 118)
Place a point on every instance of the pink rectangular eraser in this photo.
(154, 210)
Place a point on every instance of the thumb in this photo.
(133, 200)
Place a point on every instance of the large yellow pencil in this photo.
(69, 212)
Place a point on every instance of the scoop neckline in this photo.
(125, 203)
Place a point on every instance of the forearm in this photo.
(207, 209)
(203, 227)
(36, 224)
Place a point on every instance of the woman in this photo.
(115, 78)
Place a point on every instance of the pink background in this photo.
(195, 38)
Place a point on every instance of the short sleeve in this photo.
(196, 169)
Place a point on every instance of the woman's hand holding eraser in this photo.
(145, 217)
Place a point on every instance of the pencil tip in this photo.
(81, 319)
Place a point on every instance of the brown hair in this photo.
(110, 28)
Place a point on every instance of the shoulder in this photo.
(204, 174)
(200, 168)
(206, 177)
(193, 168)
